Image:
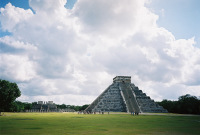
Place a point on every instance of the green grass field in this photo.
(112, 124)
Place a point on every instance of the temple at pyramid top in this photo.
(126, 79)
(124, 96)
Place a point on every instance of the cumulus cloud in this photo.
(71, 55)
(16, 68)
(11, 16)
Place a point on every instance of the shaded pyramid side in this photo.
(110, 100)
(146, 104)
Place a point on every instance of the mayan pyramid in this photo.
(124, 96)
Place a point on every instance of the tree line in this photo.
(186, 104)
(74, 107)
(23, 106)
(9, 92)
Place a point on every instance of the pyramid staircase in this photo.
(129, 97)
(124, 96)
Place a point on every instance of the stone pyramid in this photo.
(124, 96)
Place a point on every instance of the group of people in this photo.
(90, 112)
(134, 113)
(102, 112)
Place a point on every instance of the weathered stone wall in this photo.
(44, 107)
(145, 103)
(123, 96)
(119, 79)
(111, 100)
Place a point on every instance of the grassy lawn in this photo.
(112, 124)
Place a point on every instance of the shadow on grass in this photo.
(33, 128)
(77, 117)
(23, 119)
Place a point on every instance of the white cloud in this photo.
(60, 99)
(16, 68)
(11, 16)
(47, 6)
(11, 42)
(71, 56)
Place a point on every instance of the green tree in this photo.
(18, 106)
(63, 106)
(169, 105)
(8, 93)
(83, 107)
(21, 106)
(188, 104)
(27, 106)
(34, 103)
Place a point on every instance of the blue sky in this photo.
(181, 17)
(69, 52)
(25, 4)
(18, 3)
